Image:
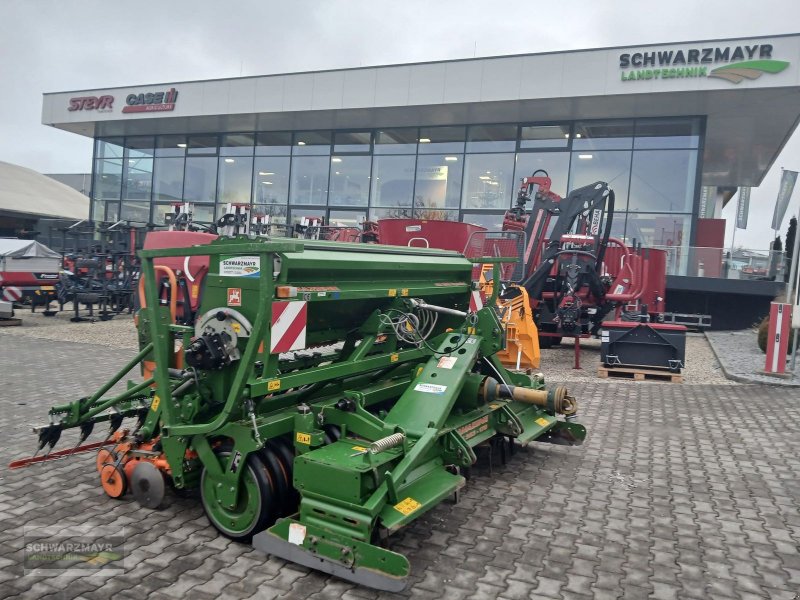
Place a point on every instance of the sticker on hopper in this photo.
(447, 362)
(240, 266)
(542, 422)
(297, 534)
(430, 388)
(410, 228)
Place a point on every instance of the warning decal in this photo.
(289, 321)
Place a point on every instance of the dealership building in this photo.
(674, 128)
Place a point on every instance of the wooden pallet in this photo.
(639, 374)
(10, 322)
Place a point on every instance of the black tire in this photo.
(282, 485)
(285, 452)
(255, 478)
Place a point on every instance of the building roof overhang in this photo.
(747, 122)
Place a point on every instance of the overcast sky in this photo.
(60, 45)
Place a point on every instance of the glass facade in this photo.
(468, 173)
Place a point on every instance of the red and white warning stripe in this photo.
(476, 301)
(780, 322)
(12, 294)
(289, 321)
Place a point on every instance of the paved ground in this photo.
(743, 360)
(681, 491)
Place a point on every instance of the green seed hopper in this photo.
(328, 393)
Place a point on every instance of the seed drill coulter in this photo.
(329, 393)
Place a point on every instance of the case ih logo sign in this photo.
(99, 103)
(151, 102)
(739, 63)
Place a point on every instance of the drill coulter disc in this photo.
(254, 506)
(113, 480)
(147, 485)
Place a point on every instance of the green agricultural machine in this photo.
(328, 394)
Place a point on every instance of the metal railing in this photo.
(725, 263)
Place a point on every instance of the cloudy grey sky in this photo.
(59, 45)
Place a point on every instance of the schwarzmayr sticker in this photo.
(240, 266)
(736, 63)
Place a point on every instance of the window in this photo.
(168, 179)
(203, 213)
(110, 148)
(107, 179)
(140, 147)
(491, 221)
(605, 135)
(200, 179)
(312, 142)
(658, 230)
(309, 213)
(138, 179)
(112, 212)
(171, 145)
(488, 181)
(309, 180)
(555, 164)
(135, 211)
(237, 144)
(276, 213)
(274, 143)
(390, 213)
(235, 179)
(612, 167)
(347, 218)
(202, 145)
(349, 185)
(396, 141)
(352, 141)
(433, 140)
(438, 181)
(667, 133)
(436, 213)
(271, 180)
(492, 138)
(544, 136)
(392, 180)
(663, 180)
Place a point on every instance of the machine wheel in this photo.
(113, 480)
(147, 485)
(253, 510)
(282, 483)
(285, 452)
(104, 455)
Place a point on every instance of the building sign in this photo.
(98, 103)
(735, 63)
(151, 101)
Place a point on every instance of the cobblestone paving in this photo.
(679, 492)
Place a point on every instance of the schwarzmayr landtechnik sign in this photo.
(736, 63)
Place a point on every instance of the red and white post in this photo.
(780, 323)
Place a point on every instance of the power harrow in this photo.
(327, 394)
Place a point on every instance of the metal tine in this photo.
(86, 431)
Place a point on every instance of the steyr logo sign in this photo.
(151, 101)
(739, 63)
(99, 103)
